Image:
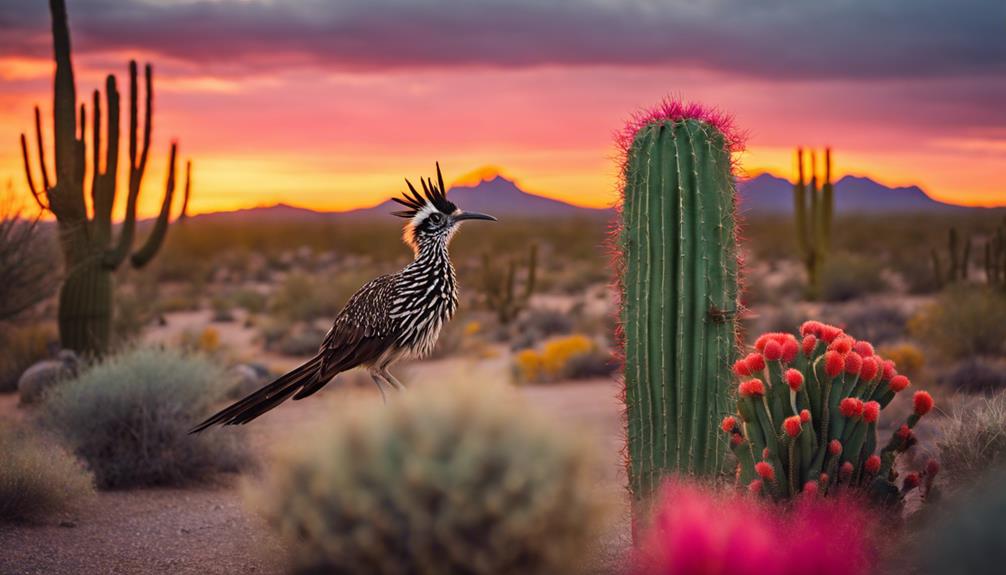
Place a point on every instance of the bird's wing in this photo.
(362, 331)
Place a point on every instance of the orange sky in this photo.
(331, 139)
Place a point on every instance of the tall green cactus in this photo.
(678, 282)
(813, 214)
(958, 259)
(995, 258)
(500, 289)
(90, 255)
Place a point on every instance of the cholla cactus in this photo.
(807, 417)
(456, 480)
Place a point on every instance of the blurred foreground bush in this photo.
(128, 419)
(457, 480)
(38, 477)
(963, 322)
(20, 347)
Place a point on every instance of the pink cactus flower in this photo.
(765, 470)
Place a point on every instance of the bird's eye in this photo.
(436, 218)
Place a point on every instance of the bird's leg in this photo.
(377, 381)
(392, 379)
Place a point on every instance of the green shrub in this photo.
(965, 321)
(455, 480)
(846, 277)
(20, 347)
(973, 438)
(37, 476)
(128, 419)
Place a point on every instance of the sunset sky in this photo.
(329, 104)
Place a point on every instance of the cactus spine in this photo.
(678, 280)
(90, 255)
(501, 291)
(813, 211)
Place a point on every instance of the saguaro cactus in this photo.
(677, 276)
(995, 257)
(90, 256)
(813, 213)
(500, 289)
(958, 260)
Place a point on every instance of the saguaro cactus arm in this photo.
(156, 237)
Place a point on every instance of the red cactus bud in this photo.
(811, 327)
(853, 363)
(923, 403)
(889, 370)
(898, 383)
(729, 423)
(741, 368)
(872, 464)
(824, 478)
(904, 432)
(833, 364)
(932, 467)
(842, 344)
(794, 379)
(851, 407)
(870, 368)
(765, 470)
(764, 453)
(911, 482)
(764, 338)
(755, 486)
(829, 333)
(792, 426)
(863, 348)
(790, 349)
(835, 447)
(809, 343)
(871, 411)
(736, 439)
(845, 471)
(805, 416)
(773, 351)
(752, 387)
(755, 362)
(810, 489)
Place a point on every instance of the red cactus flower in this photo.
(773, 351)
(755, 362)
(842, 344)
(830, 333)
(764, 338)
(751, 388)
(870, 368)
(736, 439)
(898, 383)
(833, 363)
(872, 464)
(755, 486)
(809, 343)
(853, 363)
(904, 432)
(811, 327)
(792, 426)
(741, 368)
(863, 348)
(790, 349)
(845, 471)
(911, 482)
(794, 379)
(729, 424)
(765, 470)
(805, 416)
(871, 411)
(810, 489)
(851, 407)
(932, 467)
(824, 478)
(889, 370)
(835, 447)
(923, 403)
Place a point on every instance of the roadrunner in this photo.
(391, 317)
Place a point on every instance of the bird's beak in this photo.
(473, 216)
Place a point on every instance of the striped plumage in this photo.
(391, 317)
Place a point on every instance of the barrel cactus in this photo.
(807, 412)
(452, 480)
(677, 271)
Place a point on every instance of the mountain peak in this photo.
(487, 173)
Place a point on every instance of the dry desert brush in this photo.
(38, 477)
(128, 418)
(807, 412)
(455, 480)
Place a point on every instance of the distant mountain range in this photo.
(503, 198)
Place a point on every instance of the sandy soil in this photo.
(209, 530)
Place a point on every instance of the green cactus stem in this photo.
(677, 255)
(89, 252)
(500, 288)
(813, 214)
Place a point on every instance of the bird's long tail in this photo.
(261, 401)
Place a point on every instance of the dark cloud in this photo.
(768, 39)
